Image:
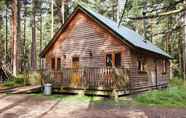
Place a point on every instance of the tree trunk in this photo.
(6, 40)
(33, 49)
(41, 36)
(19, 39)
(184, 47)
(120, 5)
(52, 18)
(14, 35)
(62, 11)
(24, 41)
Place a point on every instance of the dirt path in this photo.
(28, 106)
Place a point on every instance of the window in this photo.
(141, 64)
(164, 66)
(109, 60)
(118, 59)
(58, 63)
(113, 59)
(53, 63)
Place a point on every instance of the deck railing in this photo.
(89, 78)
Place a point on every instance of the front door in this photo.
(75, 72)
(75, 62)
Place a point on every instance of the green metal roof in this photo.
(127, 34)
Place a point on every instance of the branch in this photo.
(167, 31)
(159, 15)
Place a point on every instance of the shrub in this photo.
(34, 78)
(9, 84)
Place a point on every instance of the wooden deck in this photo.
(89, 78)
(99, 81)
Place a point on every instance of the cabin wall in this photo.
(83, 36)
(148, 77)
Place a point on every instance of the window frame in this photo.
(113, 59)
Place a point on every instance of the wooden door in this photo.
(75, 62)
(75, 81)
(154, 74)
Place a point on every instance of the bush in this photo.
(9, 84)
(34, 78)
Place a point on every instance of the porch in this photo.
(89, 80)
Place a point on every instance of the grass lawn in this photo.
(174, 96)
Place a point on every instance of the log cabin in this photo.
(91, 52)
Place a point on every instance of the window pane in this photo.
(109, 60)
(139, 65)
(118, 59)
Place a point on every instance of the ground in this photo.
(39, 106)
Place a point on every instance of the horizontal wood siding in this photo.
(147, 79)
(83, 37)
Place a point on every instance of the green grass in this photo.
(174, 96)
(19, 81)
(23, 80)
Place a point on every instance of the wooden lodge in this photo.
(90, 52)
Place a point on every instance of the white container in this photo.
(47, 89)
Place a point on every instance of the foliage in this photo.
(174, 96)
(32, 78)
(18, 81)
